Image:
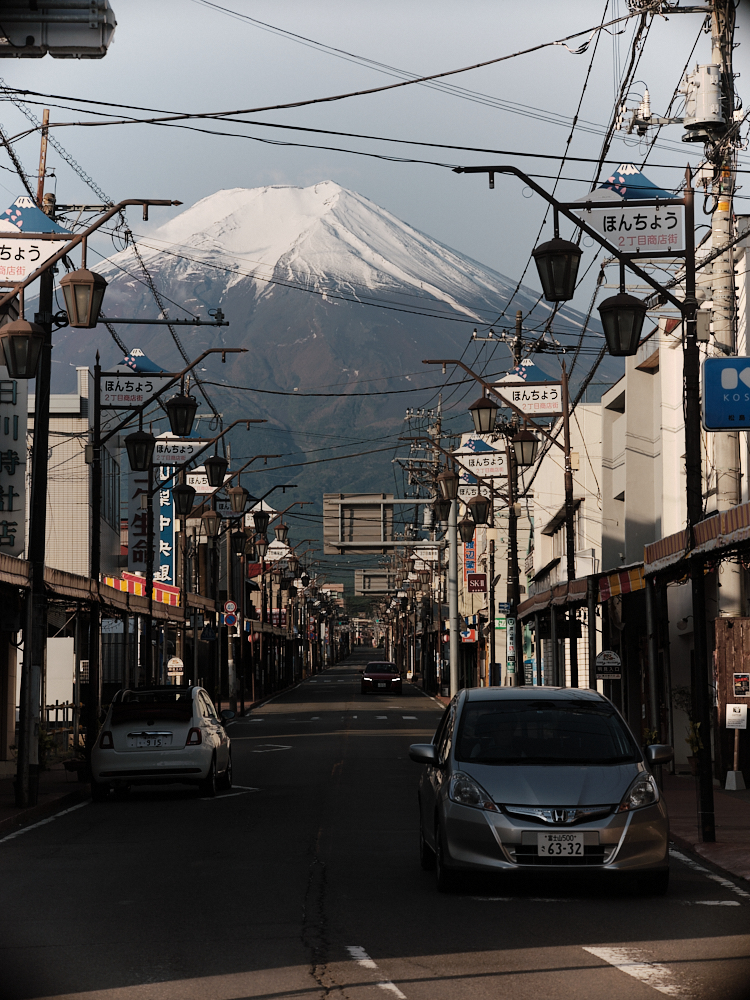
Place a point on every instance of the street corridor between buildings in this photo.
(303, 881)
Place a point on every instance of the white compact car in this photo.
(164, 735)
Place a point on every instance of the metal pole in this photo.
(570, 537)
(694, 480)
(653, 658)
(513, 589)
(35, 630)
(231, 671)
(149, 625)
(591, 623)
(493, 680)
(453, 595)
(554, 648)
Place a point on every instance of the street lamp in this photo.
(260, 520)
(479, 508)
(181, 412)
(525, 448)
(238, 497)
(442, 509)
(211, 521)
(466, 529)
(282, 532)
(261, 545)
(305, 580)
(216, 468)
(557, 263)
(483, 412)
(22, 346)
(448, 484)
(140, 448)
(293, 563)
(83, 291)
(183, 497)
(238, 541)
(622, 318)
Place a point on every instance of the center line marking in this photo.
(381, 716)
(360, 956)
(409, 717)
(633, 963)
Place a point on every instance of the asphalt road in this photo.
(305, 882)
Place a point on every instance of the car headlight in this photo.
(643, 792)
(467, 792)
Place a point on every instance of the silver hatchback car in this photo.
(531, 778)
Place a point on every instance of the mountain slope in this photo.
(329, 294)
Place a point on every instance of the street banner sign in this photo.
(21, 257)
(175, 451)
(127, 390)
(199, 481)
(641, 230)
(736, 716)
(537, 399)
(726, 394)
(608, 666)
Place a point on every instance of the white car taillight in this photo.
(106, 742)
(194, 737)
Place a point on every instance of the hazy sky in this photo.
(184, 56)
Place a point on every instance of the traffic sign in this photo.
(503, 607)
(726, 394)
(230, 607)
(229, 619)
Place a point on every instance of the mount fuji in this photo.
(329, 294)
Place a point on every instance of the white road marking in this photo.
(381, 716)
(354, 716)
(315, 718)
(709, 874)
(360, 956)
(635, 964)
(256, 720)
(327, 682)
(712, 902)
(409, 717)
(43, 822)
(339, 682)
(270, 748)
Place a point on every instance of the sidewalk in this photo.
(732, 811)
(58, 789)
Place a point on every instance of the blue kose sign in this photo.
(726, 394)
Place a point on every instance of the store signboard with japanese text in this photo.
(477, 583)
(13, 467)
(640, 230)
(470, 559)
(164, 526)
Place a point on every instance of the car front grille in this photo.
(526, 854)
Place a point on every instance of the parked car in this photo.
(163, 735)
(380, 677)
(540, 778)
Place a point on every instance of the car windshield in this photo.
(543, 732)
(381, 668)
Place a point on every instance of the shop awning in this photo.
(625, 581)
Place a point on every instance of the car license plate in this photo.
(150, 741)
(560, 845)
(381, 684)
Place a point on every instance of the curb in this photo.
(690, 848)
(41, 811)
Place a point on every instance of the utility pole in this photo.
(570, 535)
(514, 586)
(726, 458)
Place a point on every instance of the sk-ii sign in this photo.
(726, 394)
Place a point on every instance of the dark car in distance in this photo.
(380, 677)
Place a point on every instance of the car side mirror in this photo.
(226, 715)
(659, 753)
(423, 753)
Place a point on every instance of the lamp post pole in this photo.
(570, 547)
(35, 630)
(453, 625)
